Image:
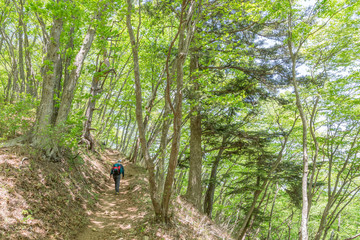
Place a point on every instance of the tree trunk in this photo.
(46, 108)
(272, 211)
(70, 84)
(96, 88)
(67, 56)
(209, 196)
(139, 114)
(160, 174)
(194, 184)
(8, 87)
(30, 80)
(15, 74)
(21, 55)
(184, 43)
(124, 129)
(69, 87)
(136, 149)
(305, 204)
(58, 75)
(117, 135)
(86, 135)
(125, 150)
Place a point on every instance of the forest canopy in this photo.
(248, 108)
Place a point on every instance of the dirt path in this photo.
(116, 216)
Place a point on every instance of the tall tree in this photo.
(46, 107)
(194, 189)
(139, 114)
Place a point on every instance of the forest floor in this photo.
(66, 200)
(116, 216)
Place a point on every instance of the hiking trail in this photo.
(116, 216)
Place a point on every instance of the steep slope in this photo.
(75, 199)
(44, 200)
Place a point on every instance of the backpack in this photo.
(116, 170)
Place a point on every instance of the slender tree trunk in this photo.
(271, 212)
(315, 155)
(67, 57)
(96, 88)
(290, 223)
(136, 149)
(21, 55)
(248, 216)
(209, 196)
(58, 76)
(86, 135)
(8, 87)
(69, 87)
(30, 80)
(176, 134)
(305, 201)
(117, 135)
(184, 43)
(194, 183)
(125, 130)
(15, 78)
(125, 150)
(160, 174)
(139, 114)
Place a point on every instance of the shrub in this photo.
(16, 118)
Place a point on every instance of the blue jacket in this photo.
(122, 171)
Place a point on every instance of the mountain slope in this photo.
(74, 199)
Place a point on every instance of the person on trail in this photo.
(117, 170)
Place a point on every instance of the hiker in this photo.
(116, 170)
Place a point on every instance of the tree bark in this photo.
(57, 91)
(209, 196)
(69, 87)
(194, 184)
(125, 150)
(70, 84)
(184, 42)
(96, 88)
(30, 80)
(46, 108)
(13, 86)
(21, 55)
(160, 174)
(272, 211)
(86, 135)
(305, 204)
(139, 114)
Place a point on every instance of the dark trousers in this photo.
(117, 182)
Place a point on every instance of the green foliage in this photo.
(243, 51)
(17, 118)
(66, 135)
